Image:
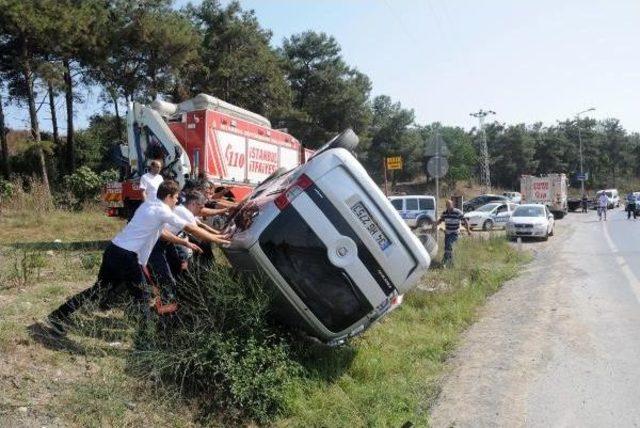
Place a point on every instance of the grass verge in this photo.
(393, 376)
(386, 377)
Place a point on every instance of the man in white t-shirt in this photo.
(164, 260)
(150, 181)
(124, 258)
(603, 204)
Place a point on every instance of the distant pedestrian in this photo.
(585, 202)
(150, 181)
(603, 204)
(452, 218)
(631, 205)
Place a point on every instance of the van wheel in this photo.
(487, 225)
(347, 139)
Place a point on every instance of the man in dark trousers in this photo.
(124, 258)
(165, 260)
(452, 217)
(631, 205)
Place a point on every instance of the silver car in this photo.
(332, 244)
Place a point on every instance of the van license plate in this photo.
(370, 225)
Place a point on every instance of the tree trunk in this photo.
(35, 127)
(54, 118)
(117, 110)
(6, 170)
(68, 83)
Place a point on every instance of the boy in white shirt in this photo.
(124, 258)
(164, 260)
(150, 181)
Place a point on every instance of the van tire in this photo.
(347, 139)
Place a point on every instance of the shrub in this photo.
(84, 184)
(6, 190)
(221, 349)
(25, 194)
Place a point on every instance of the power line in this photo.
(485, 178)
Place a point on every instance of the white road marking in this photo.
(633, 280)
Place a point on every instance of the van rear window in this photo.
(301, 258)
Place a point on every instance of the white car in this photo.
(330, 241)
(612, 196)
(490, 216)
(514, 197)
(531, 220)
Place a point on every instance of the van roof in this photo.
(411, 196)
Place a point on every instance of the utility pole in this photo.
(582, 177)
(485, 177)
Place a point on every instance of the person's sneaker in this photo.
(57, 325)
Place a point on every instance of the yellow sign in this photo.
(394, 162)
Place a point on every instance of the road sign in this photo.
(582, 177)
(437, 166)
(394, 162)
(436, 147)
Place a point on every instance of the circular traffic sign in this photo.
(437, 166)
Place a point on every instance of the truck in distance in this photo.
(549, 190)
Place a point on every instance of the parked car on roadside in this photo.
(481, 200)
(612, 196)
(335, 248)
(490, 216)
(514, 197)
(531, 220)
(416, 210)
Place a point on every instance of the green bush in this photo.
(6, 190)
(84, 185)
(221, 349)
(109, 175)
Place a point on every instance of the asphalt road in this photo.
(560, 345)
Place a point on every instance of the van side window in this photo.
(426, 204)
(412, 204)
(397, 204)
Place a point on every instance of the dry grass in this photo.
(68, 226)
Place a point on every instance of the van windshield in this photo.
(609, 194)
(301, 258)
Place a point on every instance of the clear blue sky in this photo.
(529, 61)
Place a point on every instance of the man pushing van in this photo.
(127, 254)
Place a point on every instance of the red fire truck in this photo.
(203, 136)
